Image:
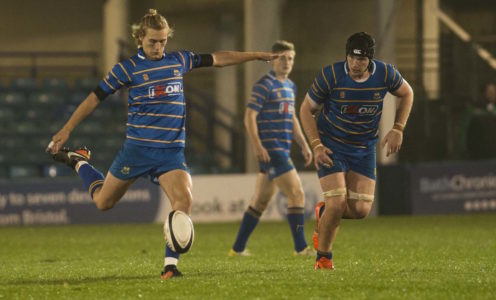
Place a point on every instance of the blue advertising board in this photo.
(461, 187)
(67, 202)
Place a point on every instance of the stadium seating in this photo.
(54, 84)
(23, 84)
(86, 85)
(30, 114)
(12, 99)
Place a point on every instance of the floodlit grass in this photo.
(438, 257)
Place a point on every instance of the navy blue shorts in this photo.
(277, 166)
(134, 161)
(362, 163)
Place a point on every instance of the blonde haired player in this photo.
(155, 135)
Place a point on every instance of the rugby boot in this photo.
(324, 263)
(169, 272)
(71, 157)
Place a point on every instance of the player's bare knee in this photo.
(361, 212)
(296, 197)
(360, 204)
(104, 204)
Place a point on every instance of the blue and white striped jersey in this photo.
(156, 106)
(274, 100)
(352, 110)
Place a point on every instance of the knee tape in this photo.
(358, 196)
(335, 192)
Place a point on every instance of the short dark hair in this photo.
(281, 45)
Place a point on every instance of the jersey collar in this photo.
(141, 54)
(371, 73)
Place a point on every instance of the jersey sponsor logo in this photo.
(168, 89)
(145, 77)
(359, 109)
(286, 108)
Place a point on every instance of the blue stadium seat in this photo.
(12, 99)
(92, 127)
(23, 84)
(86, 84)
(56, 170)
(54, 84)
(7, 114)
(24, 171)
(45, 98)
(27, 128)
(77, 97)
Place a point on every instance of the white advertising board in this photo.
(224, 198)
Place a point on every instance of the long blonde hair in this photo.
(152, 20)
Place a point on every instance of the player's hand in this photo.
(58, 140)
(393, 141)
(307, 155)
(321, 157)
(267, 56)
(262, 154)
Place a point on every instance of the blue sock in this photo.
(171, 257)
(92, 178)
(296, 220)
(322, 254)
(248, 224)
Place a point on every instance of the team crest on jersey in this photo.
(125, 170)
(279, 95)
(176, 72)
(145, 77)
(377, 95)
(359, 109)
(167, 89)
(286, 108)
(341, 95)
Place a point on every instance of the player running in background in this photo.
(343, 137)
(271, 124)
(155, 135)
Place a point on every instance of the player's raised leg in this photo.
(290, 185)
(334, 187)
(112, 190)
(177, 185)
(105, 191)
(264, 191)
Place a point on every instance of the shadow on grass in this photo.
(75, 281)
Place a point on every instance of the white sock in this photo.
(170, 261)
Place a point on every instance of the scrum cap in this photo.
(361, 44)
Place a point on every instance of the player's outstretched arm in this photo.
(82, 111)
(228, 58)
(394, 138)
(320, 152)
(252, 129)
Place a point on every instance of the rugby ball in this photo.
(179, 231)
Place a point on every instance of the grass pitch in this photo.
(438, 257)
